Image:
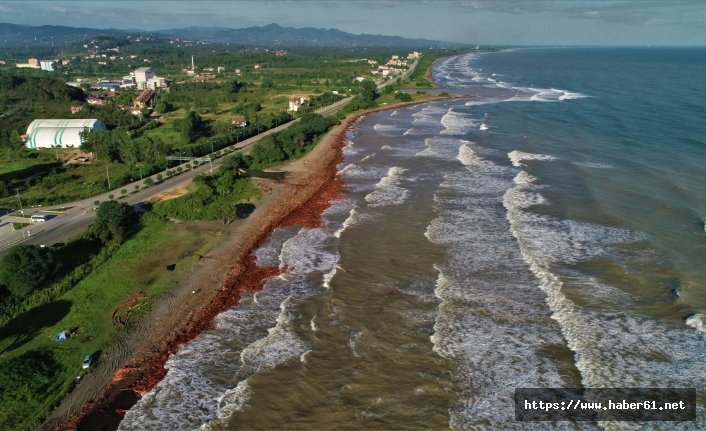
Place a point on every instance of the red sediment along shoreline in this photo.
(145, 373)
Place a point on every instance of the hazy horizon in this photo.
(512, 22)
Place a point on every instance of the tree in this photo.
(369, 92)
(235, 163)
(163, 106)
(192, 127)
(26, 268)
(114, 220)
(236, 85)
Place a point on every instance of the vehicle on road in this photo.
(38, 218)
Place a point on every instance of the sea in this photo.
(545, 231)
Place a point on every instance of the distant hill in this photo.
(276, 35)
(265, 36)
(15, 34)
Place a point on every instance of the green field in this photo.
(89, 306)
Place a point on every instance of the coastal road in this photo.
(70, 219)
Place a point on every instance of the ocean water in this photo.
(548, 232)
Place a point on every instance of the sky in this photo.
(501, 22)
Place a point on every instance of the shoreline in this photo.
(311, 184)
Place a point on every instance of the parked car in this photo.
(87, 362)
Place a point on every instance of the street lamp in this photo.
(22, 211)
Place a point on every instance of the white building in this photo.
(142, 75)
(59, 133)
(47, 65)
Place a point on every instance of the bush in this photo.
(96, 203)
(25, 381)
(26, 268)
(114, 220)
(404, 97)
(111, 197)
(123, 191)
(149, 181)
(160, 177)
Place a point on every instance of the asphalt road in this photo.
(76, 216)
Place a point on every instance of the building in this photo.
(296, 102)
(145, 78)
(143, 100)
(47, 65)
(59, 133)
(238, 121)
(142, 75)
(32, 63)
(95, 99)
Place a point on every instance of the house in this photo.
(295, 103)
(95, 100)
(143, 100)
(238, 121)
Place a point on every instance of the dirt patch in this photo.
(75, 157)
(170, 194)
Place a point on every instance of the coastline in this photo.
(213, 285)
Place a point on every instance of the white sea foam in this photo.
(387, 129)
(517, 157)
(388, 190)
(232, 401)
(489, 300)
(440, 147)
(696, 321)
(457, 123)
(614, 347)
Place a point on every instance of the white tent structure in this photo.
(59, 133)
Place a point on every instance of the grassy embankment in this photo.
(134, 275)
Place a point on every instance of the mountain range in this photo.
(264, 36)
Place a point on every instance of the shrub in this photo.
(96, 203)
(114, 220)
(123, 191)
(111, 197)
(160, 177)
(26, 268)
(149, 181)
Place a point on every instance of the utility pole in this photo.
(22, 211)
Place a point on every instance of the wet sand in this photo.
(213, 286)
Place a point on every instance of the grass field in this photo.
(140, 262)
(71, 183)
